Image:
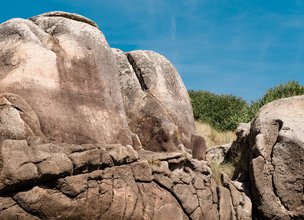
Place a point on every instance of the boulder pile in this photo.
(91, 132)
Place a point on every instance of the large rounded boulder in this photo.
(155, 99)
(276, 149)
(63, 67)
(66, 108)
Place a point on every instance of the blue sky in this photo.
(223, 46)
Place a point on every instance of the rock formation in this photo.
(63, 181)
(90, 132)
(276, 168)
(217, 154)
(65, 137)
(62, 66)
(273, 146)
(155, 99)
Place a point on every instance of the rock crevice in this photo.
(71, 108)
(137, 72)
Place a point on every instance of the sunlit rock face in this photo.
(273, 145)
(155, 99)
(62, 65)
(80, 124)
(277, 149)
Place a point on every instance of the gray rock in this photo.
(217, 154)
(156, 101)
(274, 147)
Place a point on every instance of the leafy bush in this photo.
(225, 112)
(220, 111)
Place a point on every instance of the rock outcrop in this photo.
(63, 181)
(62, 65)
(277, 149)
(66, 147)
(273, 145)
(80, 124)
(155, 99)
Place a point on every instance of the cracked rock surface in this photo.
(82, 126)
(52, 181)
(274, 143)
(47, 180)
(155, 99)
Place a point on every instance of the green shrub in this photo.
(225, 112)
(220, 111)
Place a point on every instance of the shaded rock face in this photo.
(199, 147)
(155, 99)
(63, 67)
(275, 146)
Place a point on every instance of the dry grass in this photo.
(231, 167)
(215, 138)
(212, 136)
(217, 170)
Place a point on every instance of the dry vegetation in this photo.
(212, 136)
(219, 168)
(215, 138)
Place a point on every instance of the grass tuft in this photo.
(212, 136)
(218, 168)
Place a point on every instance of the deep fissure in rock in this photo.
(174, 196)
(138, 72)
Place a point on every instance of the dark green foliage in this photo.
(225, 112)
(220, 111)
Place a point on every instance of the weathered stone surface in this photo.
(225, 204)
(24, 164)
(16, 212)
(62, 65)
(274, 144)
(217, 154)
(239, 199)
(72, 186)
(66, 149)
(17, 119)
(155, 99)
(199, 147)
(125, 189)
